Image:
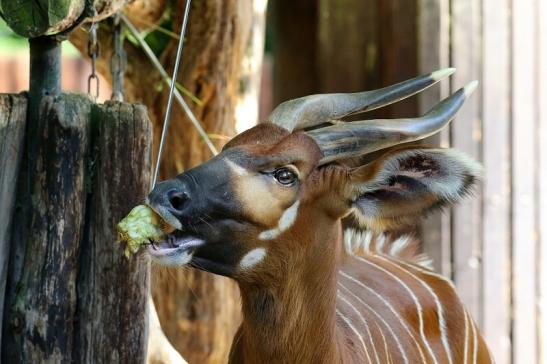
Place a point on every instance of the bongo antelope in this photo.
(267, 212)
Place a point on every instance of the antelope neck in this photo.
(293, 320)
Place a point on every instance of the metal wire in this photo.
(171, 90)
(152, 57)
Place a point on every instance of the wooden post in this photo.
(41, 295)
(12, 126)
(113, 292)
(71, 295)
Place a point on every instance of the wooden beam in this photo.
(541, 80)
(294, 32)
(13, 112)
(524, 135)
(496, 105)
(433, 54)
(348, 60)
(466, 136)
(397, 41)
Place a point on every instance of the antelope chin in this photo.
(177, 249)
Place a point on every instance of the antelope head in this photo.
(278, 191)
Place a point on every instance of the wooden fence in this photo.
(494, 245)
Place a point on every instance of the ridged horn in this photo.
(351, 139)
(313, 110)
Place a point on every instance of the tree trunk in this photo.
(199, 312)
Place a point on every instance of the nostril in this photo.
(177, 199)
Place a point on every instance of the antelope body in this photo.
(268, 212)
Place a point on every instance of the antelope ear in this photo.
(403, 185)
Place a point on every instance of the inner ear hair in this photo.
(405, 184)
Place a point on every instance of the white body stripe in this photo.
(466, 337)
(439, 307)
(414, 298)
(348, 322)
(475, 341)
(399, 346)
(366, 326)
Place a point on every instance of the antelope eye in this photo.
(285, 176)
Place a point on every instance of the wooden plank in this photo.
(466, 137)
(524, 198)
(294, 31)
(13, 112)
(45, 243)
(433, 54)
(496, 105)
(113, 291)
(397, 24)
(348, 60)
(541, 44)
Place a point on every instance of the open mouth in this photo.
(177, 246)
(173, 244)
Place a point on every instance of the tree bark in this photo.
(199, 312)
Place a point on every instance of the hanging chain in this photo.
(118, 63)
(93, 51)
(171, 91)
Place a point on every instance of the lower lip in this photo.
(184, 244)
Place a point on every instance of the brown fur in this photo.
(290, 299)
(304, 300)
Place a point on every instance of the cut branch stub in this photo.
(35, 18)
(41, 17)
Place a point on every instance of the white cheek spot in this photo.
(252, 258)
(289, 216)
(237, 169)
(285, 222)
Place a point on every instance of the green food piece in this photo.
(140, 226)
